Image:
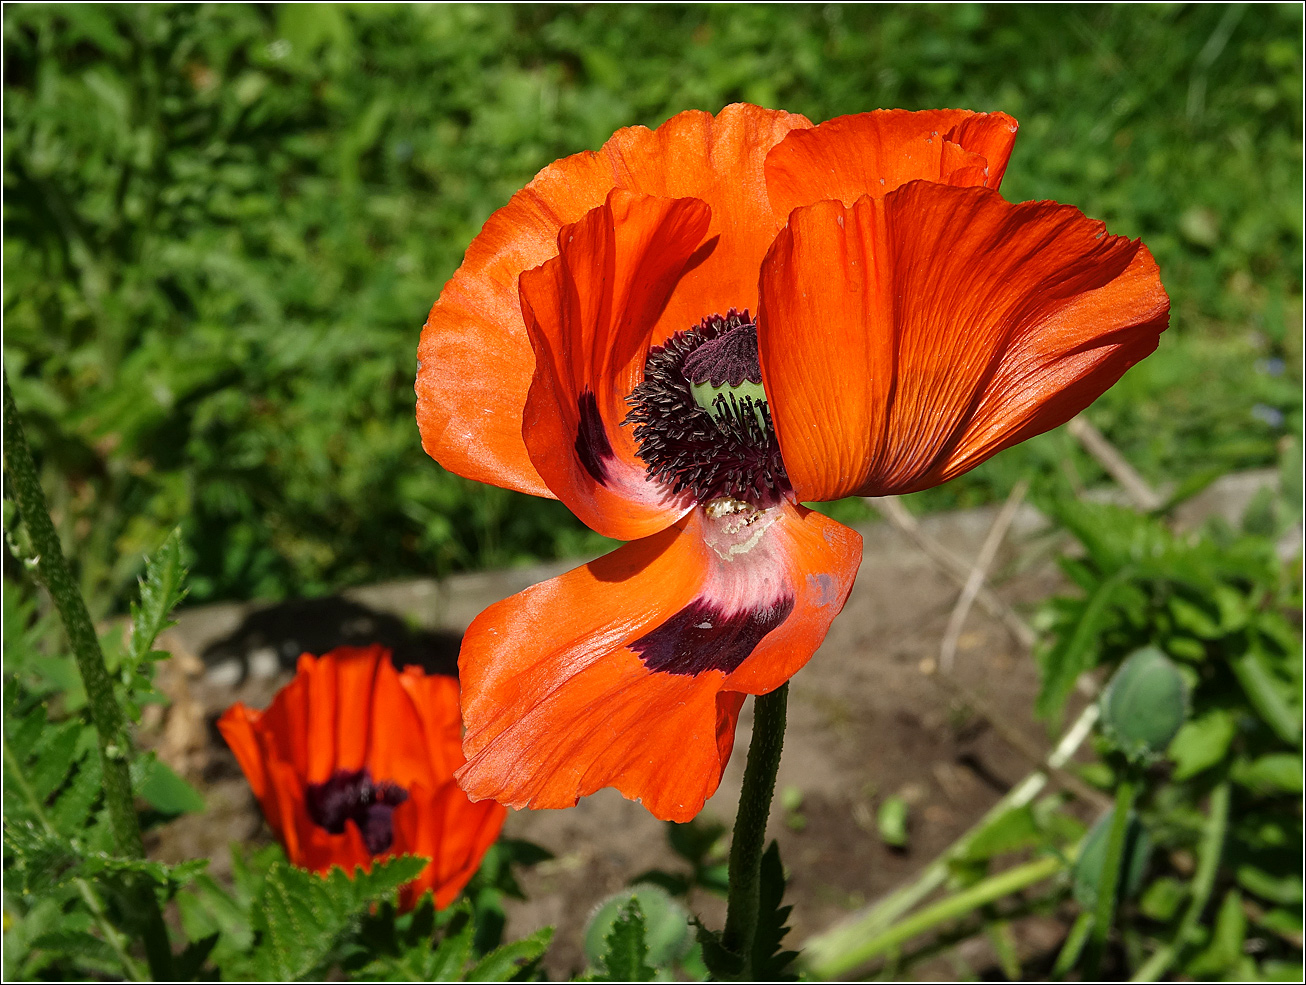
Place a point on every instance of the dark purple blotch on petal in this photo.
(352, 795)
(592, 445)
(699, 637)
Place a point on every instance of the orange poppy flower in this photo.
(690, 332)
(354, 760)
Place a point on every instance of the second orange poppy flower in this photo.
(690, 332)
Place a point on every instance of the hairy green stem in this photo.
(1208, 864)
(50, 568)
(750, 824)
(1108, 886)
(93, 903)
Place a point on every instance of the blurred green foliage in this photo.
(224, 226)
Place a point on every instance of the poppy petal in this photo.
(905, 339)
(637, 681)
(590, 313)
(720, 160)
(475, 362)
(874, 153)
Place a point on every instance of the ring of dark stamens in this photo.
(736, 455)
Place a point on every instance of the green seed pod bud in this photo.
(1133, 861)
(666, 925)
(1144, 704)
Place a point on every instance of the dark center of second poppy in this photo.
(351, 795)
(701, 415)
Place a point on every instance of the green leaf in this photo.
(1009, 832)
(512, 962)
(301, 916)
(624, 949)
(163, 789)
(54, 757)
(1202, 743)
(1226, 946)
(724, 964)
(187, 965)
(450, 958)
(1285, 889)
(770, 963)
(666, 924)
(162, 873)
(1279, 772)
(40, 860)
(891, 822)
(1161, 899)
(83, 948)
(162, 589)
(1194, 619)
(1265, 695)
(1076, 651)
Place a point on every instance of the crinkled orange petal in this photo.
(628, 672)
(905, 339)
(874, 153)
(474, 360)
(590, 313)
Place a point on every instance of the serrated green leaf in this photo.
(100, 863)
(53, 758)
(721, 962)
(514, 961)
(83, 949)
(625, 953)
(162, 589)
(301, 916)
(666, 924)
(187, 965)
(770, 963)
(71, 811)
(39, 860)
(449, 958)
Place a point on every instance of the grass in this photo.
(224, 226)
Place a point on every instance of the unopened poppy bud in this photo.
(1133, 860)
(1144, 704)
